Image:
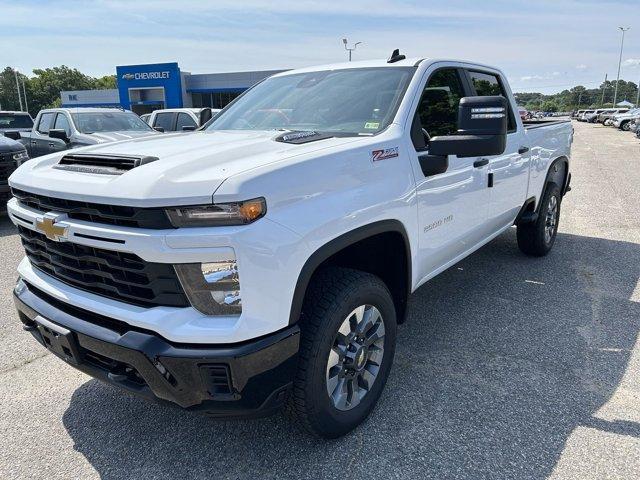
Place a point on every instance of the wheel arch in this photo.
(558, 172)
(335, 250)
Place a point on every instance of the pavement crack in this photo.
(23, 364)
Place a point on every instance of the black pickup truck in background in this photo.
(15, 121)
(57, 129)
(12, 155)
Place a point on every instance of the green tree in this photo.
(106, 82)
(549, 106)
(8, 89)
(47, 84)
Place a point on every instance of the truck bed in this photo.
(543, 122)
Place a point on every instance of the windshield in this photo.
(108, 122)
(348, 102)
(13, 120)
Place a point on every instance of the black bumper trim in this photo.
(259, 372)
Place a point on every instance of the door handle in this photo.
(51, 144)
(522, 150)
(481, 163)
(33, 142)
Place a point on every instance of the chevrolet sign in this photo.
(146, 75)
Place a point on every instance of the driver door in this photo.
(452, 205)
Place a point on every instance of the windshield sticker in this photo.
(372, 125)
(377, 155)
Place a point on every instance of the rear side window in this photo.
(438, 108)
(164, 120)
(487, 85)
(185, 120)
(45, 122)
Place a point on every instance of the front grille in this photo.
(7, 167)
(121, 276)
(153, 218)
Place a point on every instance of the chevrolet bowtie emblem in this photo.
(47, 225)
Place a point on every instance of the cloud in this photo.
(546, 76)
(631, 62)
(581, 66)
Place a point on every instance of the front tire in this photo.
(625, 126)
(348, 327)
(537, 238)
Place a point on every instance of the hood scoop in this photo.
(102, 164)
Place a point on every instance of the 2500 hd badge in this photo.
(266, 259)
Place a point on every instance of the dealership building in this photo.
(144, 88)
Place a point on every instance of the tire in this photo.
(537, 238)
(332, 298)
(625, 126)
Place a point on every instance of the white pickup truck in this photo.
(267, 258)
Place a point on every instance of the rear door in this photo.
(452, 206)
(508, 173)
(166, 121)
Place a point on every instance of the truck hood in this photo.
(106, 137)
(190, 167)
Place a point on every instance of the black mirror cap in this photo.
(205, 115)
(159, 129)
(483, 115)
(13, 135)
(468, 145)
(59, 134)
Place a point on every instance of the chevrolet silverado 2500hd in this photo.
(57, 129)
(267, 258)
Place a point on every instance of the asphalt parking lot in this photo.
(508, 367)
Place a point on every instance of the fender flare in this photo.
(334, 246)
(563, 187)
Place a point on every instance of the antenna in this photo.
(396, 57)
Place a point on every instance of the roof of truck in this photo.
(408, 62)
(84, 110)
(14, 112)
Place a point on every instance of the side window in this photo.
(62, 123)
(488, 84)
(185, 120)
(438, 109)
(164, 120)
(45, 122)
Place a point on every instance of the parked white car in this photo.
(623, 120)
(268, 258)
(180, 119)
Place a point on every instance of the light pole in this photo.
(604, 89)
(15, 72)
(355, 45)
(615, 94)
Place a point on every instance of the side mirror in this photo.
(188, 128)
(13, 135)
(159, 129)
(59, 134)
(482, 129)
(205, 115)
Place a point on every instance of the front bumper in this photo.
(247, 379)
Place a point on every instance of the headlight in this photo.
(21, 157)
(237, 213)
(213, 288)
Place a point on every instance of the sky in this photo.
(542, 45)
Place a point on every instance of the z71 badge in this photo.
(377, 155)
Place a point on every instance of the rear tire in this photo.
(625, 126)
(537, 238)
(335, 352)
